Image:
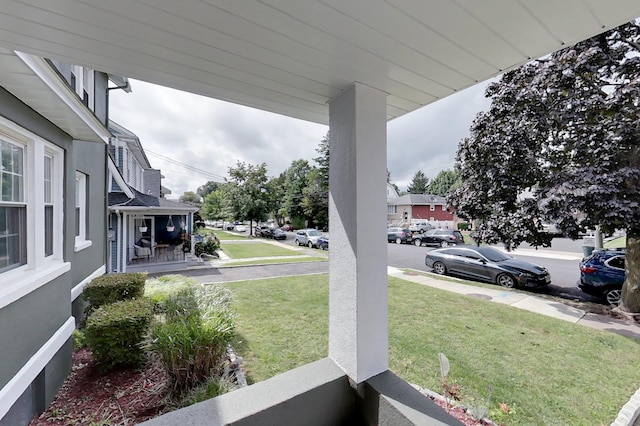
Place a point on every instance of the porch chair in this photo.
(142, 251)
(177, 253)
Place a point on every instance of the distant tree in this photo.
(277, 192)
(419, 183)
(444, 183)
(316, 194)
(191, 198)
(246, 196)
(207, 188)
(213, 206)
(566, 129)
(294, 182)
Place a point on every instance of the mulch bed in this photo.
(130, 396)
(120, 397)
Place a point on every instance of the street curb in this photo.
(630, 412)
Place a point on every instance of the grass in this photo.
(257, 249)
(616, 243)
(298, 259)
(546, 370)
(223, 235)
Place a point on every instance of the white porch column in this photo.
(358, 330)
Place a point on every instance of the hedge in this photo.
(113, 288)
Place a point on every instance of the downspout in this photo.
(118, 239)
(192, 229)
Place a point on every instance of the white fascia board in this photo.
(119, 179)
(53, 80)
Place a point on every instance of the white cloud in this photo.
(213, 135)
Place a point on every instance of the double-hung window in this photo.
(13, 209)
(48, 205)
(31, 212)
(82, 240)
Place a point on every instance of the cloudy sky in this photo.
(194, 139)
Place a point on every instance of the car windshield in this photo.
(492, 254)
(314, 233)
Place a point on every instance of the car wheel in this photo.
(398, 240)
(506, 280)
(417, 242)
(310, 244)
(613, 296)
(444, 243)
(297, 242)
(439, 268)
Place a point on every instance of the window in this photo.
(82, 81)
(392, 209)
(31, 210)
(48, 205)
(13, 230)
(81, 212)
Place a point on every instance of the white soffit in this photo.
(292, 56)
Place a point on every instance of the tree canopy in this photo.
(560, 143)
(444, 183)
(418, 184)
(191, 198)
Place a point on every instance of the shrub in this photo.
(463, 226)
(113, 288)
(114, 332)
(208, 246)
(193, 339)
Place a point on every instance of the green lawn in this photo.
(257, 249)
(223, 235)
(547, 371)
(616, 243)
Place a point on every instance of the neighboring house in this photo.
(432, 208)
(53, 139)
(146, 232)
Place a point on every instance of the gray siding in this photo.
(27, 323)
(152, 179)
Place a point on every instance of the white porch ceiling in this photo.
(292, 56)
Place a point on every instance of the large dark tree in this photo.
(419, 183)
(560, 143)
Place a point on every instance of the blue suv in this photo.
(602, 274)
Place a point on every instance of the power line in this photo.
(214, 176)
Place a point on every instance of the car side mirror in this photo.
(483, 261)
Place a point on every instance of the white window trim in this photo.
(81, 241)
(39, 269)
(432, 207)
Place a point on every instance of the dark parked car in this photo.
(399, 235)
(275, 233)
(602, 274)
(439, 237)
(487, 264)
(323, 243)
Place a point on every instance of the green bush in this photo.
(193, 339)
(463, 226)
(115, 332)
(208, 246)
(113, 288)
